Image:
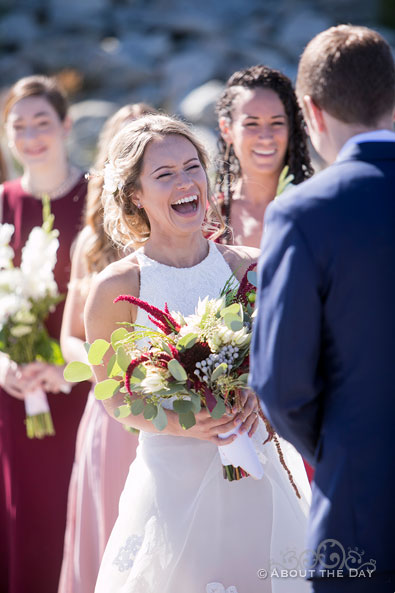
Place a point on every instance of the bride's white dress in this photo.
(183, 528)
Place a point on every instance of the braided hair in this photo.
(297, 156)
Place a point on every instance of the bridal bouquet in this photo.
(27, 294)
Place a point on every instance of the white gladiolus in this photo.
(18, 331)
(38, 271)
(10, 305)
(6, 252)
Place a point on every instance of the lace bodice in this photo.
(180, 288)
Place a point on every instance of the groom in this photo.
(323, 360)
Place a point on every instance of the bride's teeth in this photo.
(184, 200)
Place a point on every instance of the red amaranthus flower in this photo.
(245, 286)
(162, 319)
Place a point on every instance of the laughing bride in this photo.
(183, 528)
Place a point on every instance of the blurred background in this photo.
(173, 54)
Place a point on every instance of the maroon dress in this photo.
(35, 474)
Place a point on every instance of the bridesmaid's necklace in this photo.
(73, 174)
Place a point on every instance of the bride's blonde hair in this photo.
(124, 222)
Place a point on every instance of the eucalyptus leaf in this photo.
(233, 322)
(137, 406)
(123, 358)
(187, 420)
(196, 402)
(182, 406)
(122, 411)
(243, 378)
(117, 336)
(176, 370)
(160, 420)
(150, 411)
(252, 278)
(219, 370)
(219, 409)
(113, 368)
(97, 351)
(77, 371)
(139, 373)
(87, 346)
(106, 389)
(173, 389)
(166, 348)
(233, 309)
(187, 341)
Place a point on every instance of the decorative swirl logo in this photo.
(329, 555)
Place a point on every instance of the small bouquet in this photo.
(284, 181)
(27, 295)
(199, 360)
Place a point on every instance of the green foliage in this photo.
(76, 371)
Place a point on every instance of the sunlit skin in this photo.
(171, 172)
(37, 136)
(259, 134)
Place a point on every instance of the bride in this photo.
(183, 528)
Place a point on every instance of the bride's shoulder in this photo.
(118, 277)
(239, 258)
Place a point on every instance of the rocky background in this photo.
(173, 54)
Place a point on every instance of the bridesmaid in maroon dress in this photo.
(35, 474)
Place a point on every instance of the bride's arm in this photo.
(101, 317)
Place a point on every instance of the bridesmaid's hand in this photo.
(46, 376)
(11, 377)
(249, 413)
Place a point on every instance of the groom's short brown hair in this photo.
(349, 72)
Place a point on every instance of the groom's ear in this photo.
(313, 115)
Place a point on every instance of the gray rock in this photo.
(199, 105)
(88, 118)
(18, 28)
(13, 67)
(270, 57)
(185, 71)
(298, 28)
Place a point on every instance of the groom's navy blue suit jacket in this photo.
(323, 352)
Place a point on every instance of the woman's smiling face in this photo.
(173, 186)
(35, 131)
(258, 131)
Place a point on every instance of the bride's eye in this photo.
(163, 175)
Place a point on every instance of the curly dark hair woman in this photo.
(262, 130)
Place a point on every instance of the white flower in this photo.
(6, 252)
(18, 331)
(153, 381)
(10, 304)
(112, 180)
(38, 271)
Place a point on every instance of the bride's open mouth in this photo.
(187, 205)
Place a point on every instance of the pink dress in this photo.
(104, 453)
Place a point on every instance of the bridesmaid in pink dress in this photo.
(35, 474)
(105, 449)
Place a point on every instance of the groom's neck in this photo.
(338, 132)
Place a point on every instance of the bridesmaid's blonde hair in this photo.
(100, 251)
(123, 221)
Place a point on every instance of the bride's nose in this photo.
(183, 180)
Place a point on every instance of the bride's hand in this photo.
(249, 413)
(208, 428)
